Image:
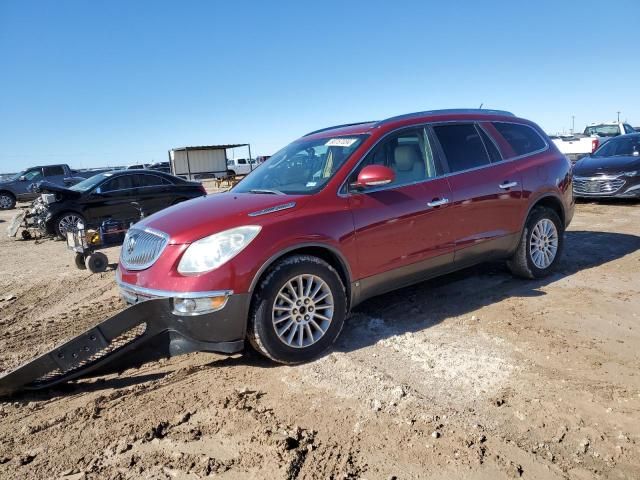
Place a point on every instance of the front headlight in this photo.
(215, 250)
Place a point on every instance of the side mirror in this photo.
(98, 191)
(374, 176)
(22, 178)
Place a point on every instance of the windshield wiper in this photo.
(264, 190)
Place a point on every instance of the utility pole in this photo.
(618, 117)
(573, 123)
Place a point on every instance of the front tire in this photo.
(79, 261)
(298, 310)
(65, 222)
(540, 246)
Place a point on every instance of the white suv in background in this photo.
(240, 166)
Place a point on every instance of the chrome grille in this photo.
(597, 185)
(142, 247)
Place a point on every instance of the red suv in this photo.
(341, 215)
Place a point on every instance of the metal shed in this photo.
(202, 161)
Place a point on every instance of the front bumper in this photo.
(213, 331)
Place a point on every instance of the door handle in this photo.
(508, 185)
(436, 202)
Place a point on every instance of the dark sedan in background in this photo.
(611, 171)
(118, 195)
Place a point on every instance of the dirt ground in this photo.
(476, 375)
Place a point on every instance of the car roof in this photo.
(360, 128)
(136, 171)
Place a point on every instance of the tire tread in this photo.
(257, 303)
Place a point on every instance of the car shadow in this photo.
(413, 308)
(426, 304)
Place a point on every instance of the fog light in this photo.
(198, 306)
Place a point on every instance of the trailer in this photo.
(207, 161)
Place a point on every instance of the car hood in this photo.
(589, 166)
(195, 219)
(46, 187)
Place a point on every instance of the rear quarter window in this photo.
(523, 139)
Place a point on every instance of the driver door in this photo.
(23, 190)
(112, 200)
(402, 229)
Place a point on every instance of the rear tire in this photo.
(298, 310)
(540, 245)
(7, 201)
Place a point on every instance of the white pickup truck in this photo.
(574, 147)
(240, 166)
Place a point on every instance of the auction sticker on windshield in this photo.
(341, 142)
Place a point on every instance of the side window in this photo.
(492, 150)
(147, 180)
(33, 175)
(408, 154)
(462, 146)
(122, 182)
(628, 129)
(52, 171)
(242, 161)
(522, 138)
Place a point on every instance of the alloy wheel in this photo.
(543, 245)
(68, 223)
(6, 202)
(303, 311)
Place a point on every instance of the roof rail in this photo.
(446, 112)
(338, 126)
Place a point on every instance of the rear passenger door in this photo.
(153, 192)
(54, 174)
(487, 202)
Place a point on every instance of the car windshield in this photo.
(89, 183)
(302, 167)
(628, 145)
(16, 176)
(603, 130)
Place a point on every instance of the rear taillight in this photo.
(595, 143)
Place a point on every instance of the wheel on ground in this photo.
(67, 221)
(79, 261)
(96, 262)
(7, 201)
(26, 235)
(298, 310)
(540, 246)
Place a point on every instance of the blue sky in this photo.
(115, 82)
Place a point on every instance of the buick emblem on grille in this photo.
(141, 248)
(131, 243)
